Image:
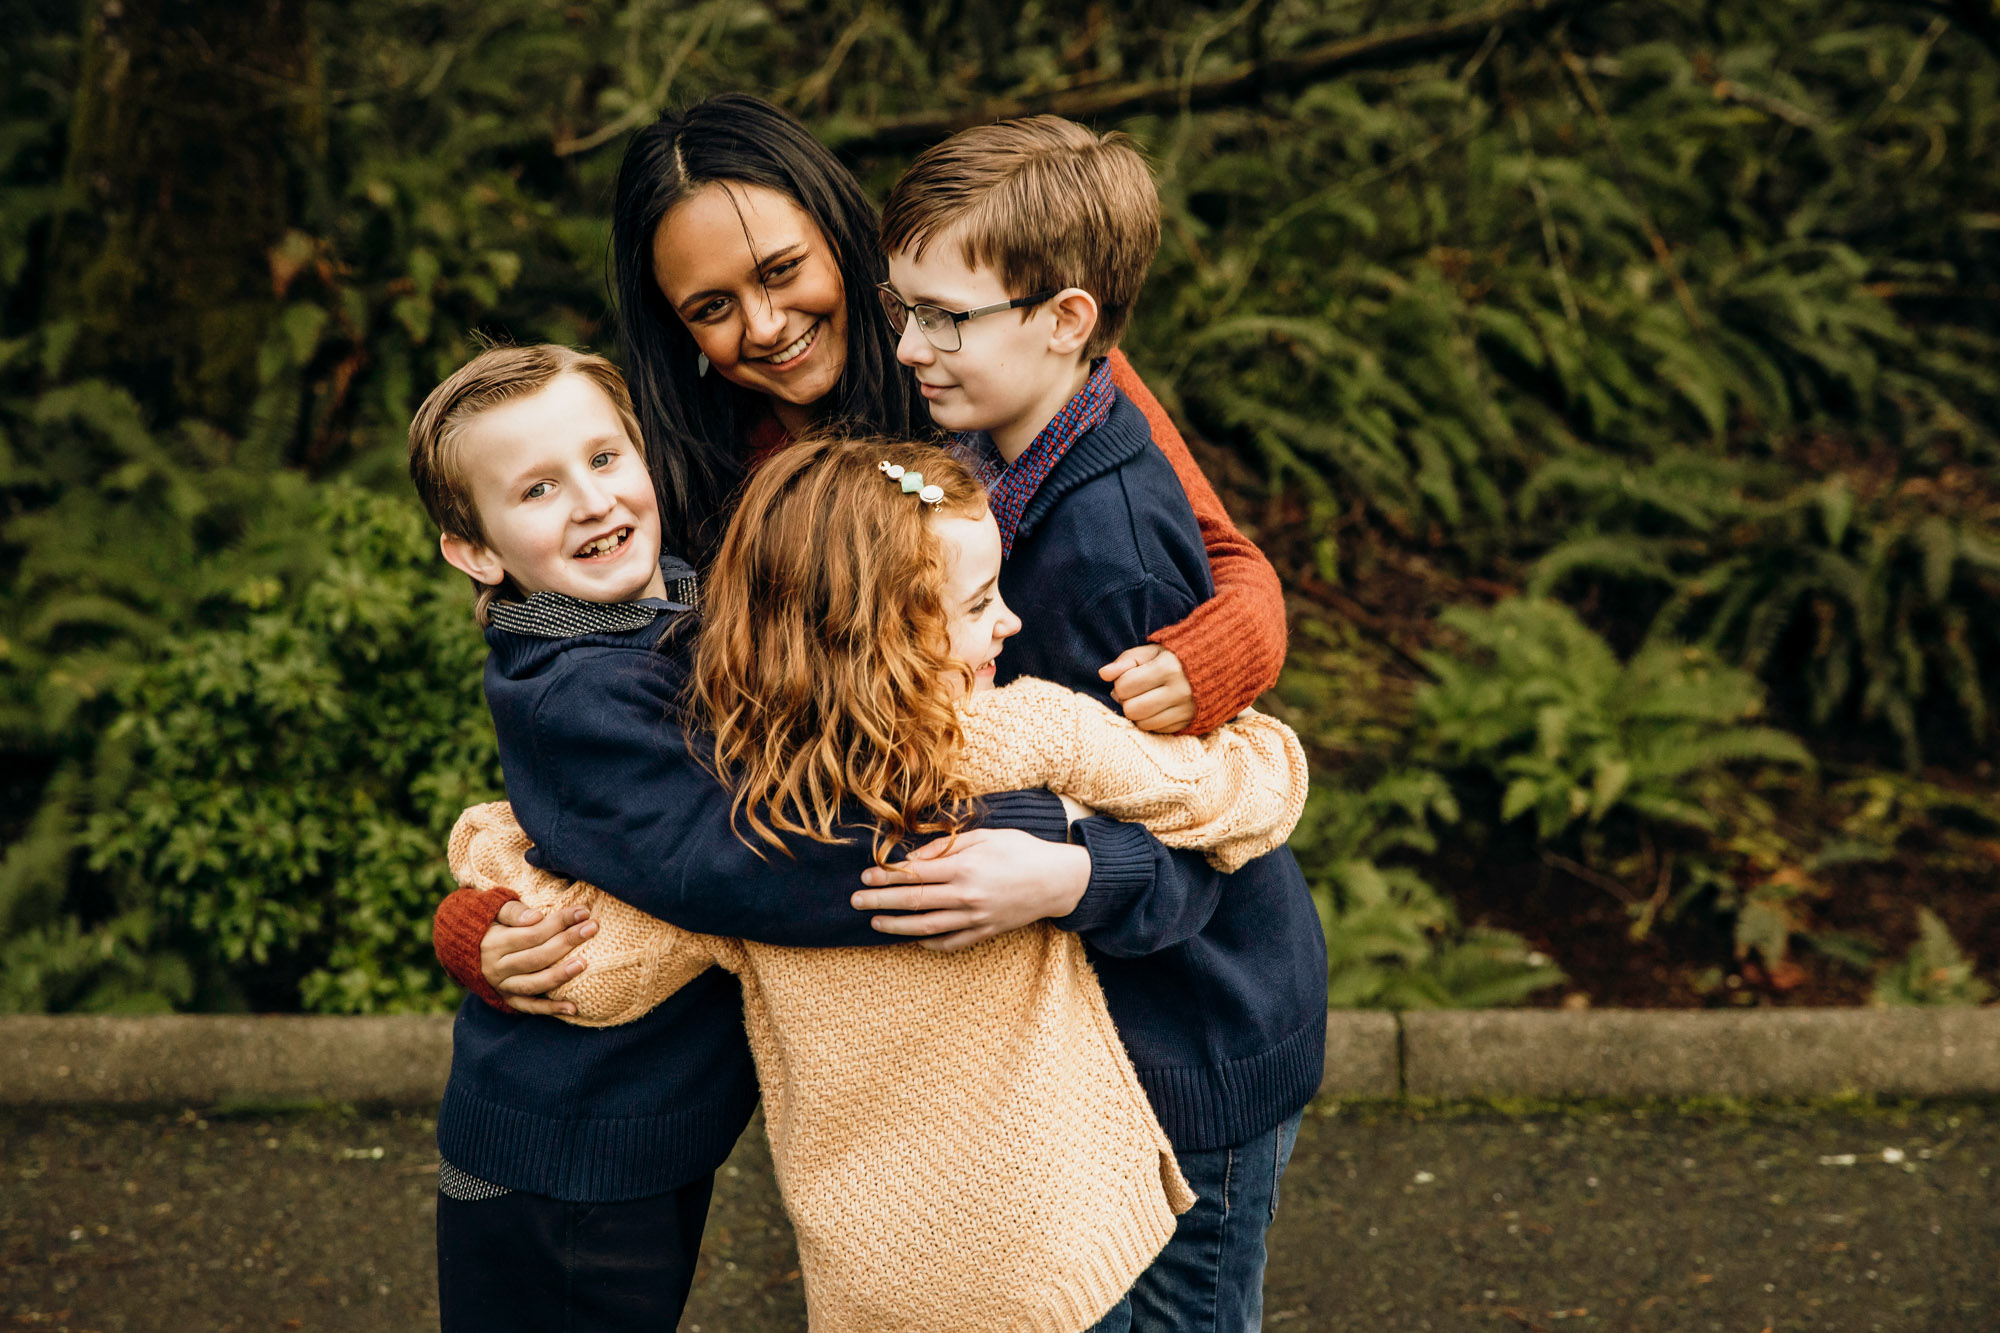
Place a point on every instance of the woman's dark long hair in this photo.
(695, 426)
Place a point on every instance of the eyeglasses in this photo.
(938, 325)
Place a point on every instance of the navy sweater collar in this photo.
(1121, 437)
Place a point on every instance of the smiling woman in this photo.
(737, 237)
(758, 287)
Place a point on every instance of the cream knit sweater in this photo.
(959, 1138)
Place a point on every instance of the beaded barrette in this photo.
(912, 483)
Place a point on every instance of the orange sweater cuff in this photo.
(462, 920)
(1228, 662)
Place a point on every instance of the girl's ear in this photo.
(471, 558)
(1076, 319)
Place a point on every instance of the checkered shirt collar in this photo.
(555, 615)
(1009, 488)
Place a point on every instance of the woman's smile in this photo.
(794, 353)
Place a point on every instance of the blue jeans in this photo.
(1210, 1276)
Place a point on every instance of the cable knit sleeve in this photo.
(1233, 645)
(633, 962)
(1233, 794)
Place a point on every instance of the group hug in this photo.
(872, 670)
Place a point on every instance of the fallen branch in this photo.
(1244, 82)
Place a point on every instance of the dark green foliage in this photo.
(1682, 313)
(1874, 606)
(1936, 971)
(1545, 708)
(283, 787)
(1393, 941)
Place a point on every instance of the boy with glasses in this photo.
(1016, 252)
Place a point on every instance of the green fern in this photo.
(1543, 705)
(1935, 972)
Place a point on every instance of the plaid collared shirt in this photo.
(1010, 487)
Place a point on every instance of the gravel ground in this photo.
(1742, 1219)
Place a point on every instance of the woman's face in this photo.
(759, 287)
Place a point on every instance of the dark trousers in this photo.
(523, 1261)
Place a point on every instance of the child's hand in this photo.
(1149, 682)
(522, 953)
(990, 882)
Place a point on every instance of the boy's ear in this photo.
(471, 558)
(1076, 319)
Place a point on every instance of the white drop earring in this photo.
(701, 363)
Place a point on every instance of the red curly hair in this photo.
(824, 644)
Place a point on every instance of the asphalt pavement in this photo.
(1845, 1217)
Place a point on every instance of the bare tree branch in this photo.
(1245, 82)
(1980, 18)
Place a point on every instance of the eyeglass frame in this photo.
(957, 317)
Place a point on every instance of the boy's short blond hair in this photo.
(497, 375)
(1043, 202)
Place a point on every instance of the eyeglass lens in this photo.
(934, 322)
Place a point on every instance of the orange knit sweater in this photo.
(976, 1108)
(1233, 645)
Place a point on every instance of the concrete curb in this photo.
(203, 1060)
(1694, 1053)
(211, 1059)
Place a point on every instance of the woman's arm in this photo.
(1232, 646)
(1234, 794)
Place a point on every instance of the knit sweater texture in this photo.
(1231, 646)
(976, 1107)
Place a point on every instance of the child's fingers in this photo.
(1169, 723)
(514, 913)
(1140, 679)
(520, 962)
(542, 982)
(1163, 710)
(927, 923)
(1128, 660)
(508, 937)
(535, 1004)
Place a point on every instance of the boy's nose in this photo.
(592, 497)
(912, 348)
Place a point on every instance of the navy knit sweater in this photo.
(1217, 982)
(602, 778)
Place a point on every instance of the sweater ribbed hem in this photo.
(1093, 1281)
(1204, 1107)
(589, 1160)
(1227, 668)
(458, 927)
(1121, 869)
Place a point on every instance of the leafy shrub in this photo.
(1392, 940)
(1543, 705)
(1873, 608)
(288, 783)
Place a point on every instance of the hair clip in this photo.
(913, 483)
